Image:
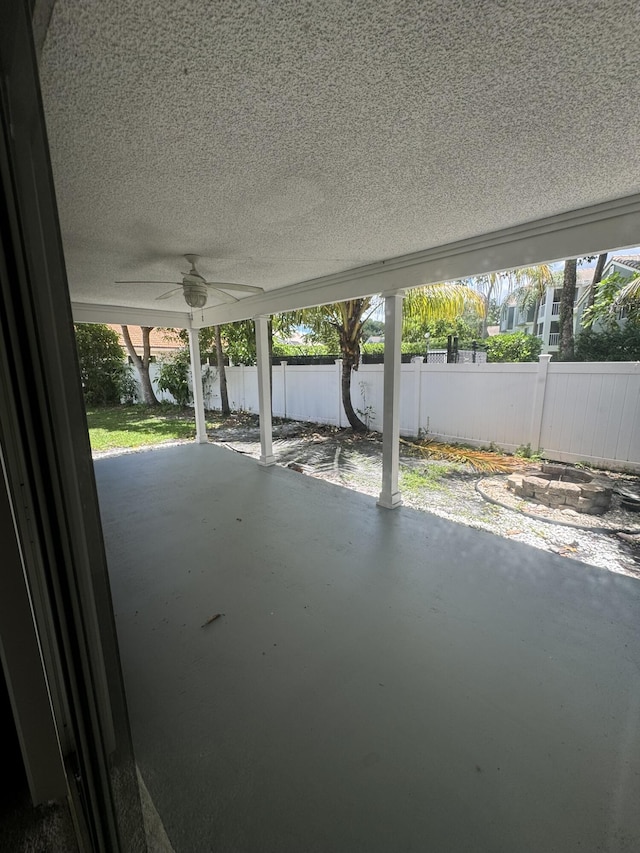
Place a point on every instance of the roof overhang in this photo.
(87, 312)
(328, 151)
(580, 232)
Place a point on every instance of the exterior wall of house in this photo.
(617, 265)
(548, 324)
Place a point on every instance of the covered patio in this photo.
(376, 680)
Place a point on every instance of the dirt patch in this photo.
(438, 486)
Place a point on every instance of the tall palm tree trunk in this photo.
(349, 335)
(224, 394)
(597, 277)
(354, 421)
(565, 348)
(485, 317)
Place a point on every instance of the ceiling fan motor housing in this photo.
(195, 293)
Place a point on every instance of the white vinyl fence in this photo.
(576, 412)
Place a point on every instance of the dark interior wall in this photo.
(13, 780)
(44, 440)
(23, 827)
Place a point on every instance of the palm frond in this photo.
(442, 301)
(488, 284)
(483, 461)
(528, 285)
(628, 294)
(525, 297)
(540, 275)
(318, 317)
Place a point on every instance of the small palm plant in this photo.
(427, 303)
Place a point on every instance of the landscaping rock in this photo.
(555, 471)
(532, 485)
(565, 473)
(558, 485)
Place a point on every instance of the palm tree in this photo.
(489, 286)
(222, 372)
(597, 277)
(527, 284)
(427, 303)
(530, 288)
(565, 347)
(629, 295)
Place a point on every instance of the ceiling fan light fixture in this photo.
(195, 288)
(195, 295)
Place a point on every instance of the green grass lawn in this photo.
(138, 426)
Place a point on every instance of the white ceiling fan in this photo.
(195, 287)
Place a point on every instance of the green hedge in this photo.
(283, 350)
(512, 346)
(173, 376)
(615, 345)
(103, 370)
(411, 347)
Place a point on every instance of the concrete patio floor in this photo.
(378, 681)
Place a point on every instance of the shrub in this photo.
(129, 391)
(412, 347)
(283, 350)
(240, 342)
(463, 343)
(173, 377)
(513, 346)
(103, 369)
(612, 345)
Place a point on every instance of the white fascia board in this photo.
(85, 312)
(590, 230)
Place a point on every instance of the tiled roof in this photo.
(632, 261)
(161, 340)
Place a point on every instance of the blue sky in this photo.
(617, 252)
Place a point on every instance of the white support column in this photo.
(198, 393)
(390, 496)
(417, 392)
(546, 319)
(264, 390)
(283, 365)
(538, 401)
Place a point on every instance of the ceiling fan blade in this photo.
(232, 285)
(146, 282)
(222, 296)
(169, 292)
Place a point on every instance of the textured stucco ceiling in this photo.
(284, 140)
